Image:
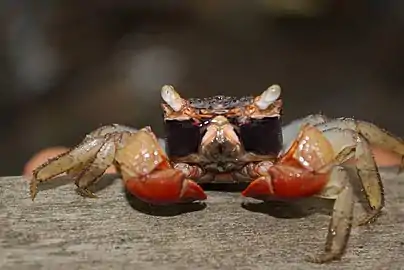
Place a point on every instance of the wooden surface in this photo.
(62, 230)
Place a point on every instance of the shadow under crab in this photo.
(104, 182)
(228, 140)
(167, 210)
(291, 209)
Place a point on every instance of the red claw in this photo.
(257, 188)
(299, 172)
(165, 187)
(192, 192)
(286, 182)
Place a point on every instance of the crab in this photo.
(223, 139)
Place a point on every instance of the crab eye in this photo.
(262, 136)
(183, 137)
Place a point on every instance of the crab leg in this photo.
(86, 162)
(366, 167)
(64, 162)
(340, 188)
(359, 135)
(375, 135)
(298, 172)
(341, 221)
(91, 172)
(372, 133)
(302, 170)
(307, 169)
(148, 174)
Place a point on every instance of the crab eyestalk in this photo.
(171, 97)
(268, 97)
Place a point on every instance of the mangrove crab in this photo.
(228, 139)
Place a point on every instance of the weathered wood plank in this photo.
(62, 230)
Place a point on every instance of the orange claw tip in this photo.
(258, 188)
(192, 192)
(165, 187)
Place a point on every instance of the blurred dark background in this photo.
(67, 67)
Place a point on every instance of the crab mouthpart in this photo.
(220, 131)
(268, 97)
(171, 97)
(165, 187)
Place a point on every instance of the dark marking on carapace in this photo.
(262, 136)
(183, 137)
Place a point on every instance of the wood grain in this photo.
(62, 230)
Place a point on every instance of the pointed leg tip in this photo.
(33, 188)
(33, 194)
(86, 193)
(322, 258)
(369, 218)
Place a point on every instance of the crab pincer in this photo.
(301, 172)
(165, 187)
(149, 176)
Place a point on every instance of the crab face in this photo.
(222, 129)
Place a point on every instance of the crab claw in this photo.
(285, 184)
(167, 186)
(261, 187)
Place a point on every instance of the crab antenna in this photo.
(268, 97)
(171, 97)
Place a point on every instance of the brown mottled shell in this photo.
(229, 106)
(220, 102)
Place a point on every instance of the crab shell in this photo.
(222, 133)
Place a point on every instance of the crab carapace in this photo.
(220, 135)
